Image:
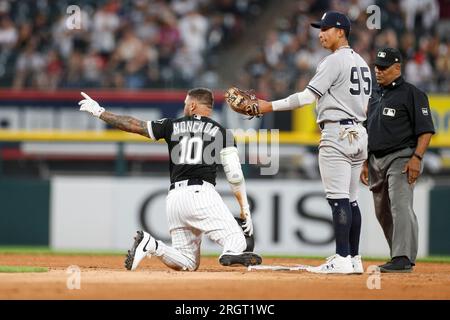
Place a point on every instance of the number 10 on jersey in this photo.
(191, 150)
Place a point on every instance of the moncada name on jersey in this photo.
(195, 127)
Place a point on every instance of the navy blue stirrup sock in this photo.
(355, 229)
(342, 221)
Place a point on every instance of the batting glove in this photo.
(90, 105)
(248, 225)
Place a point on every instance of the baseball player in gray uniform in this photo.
(341, 89)
(193, 206)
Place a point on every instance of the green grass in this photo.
(49, 251)
(435, 259)
(21, 269)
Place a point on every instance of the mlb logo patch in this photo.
(425, 111)
(381, 54)
(389, 112)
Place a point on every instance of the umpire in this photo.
(400, 127)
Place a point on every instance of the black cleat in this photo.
(241, 259)
(397, 265)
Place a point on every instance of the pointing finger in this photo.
(85, 95)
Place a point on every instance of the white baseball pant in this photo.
(342, 151)
(192, 211)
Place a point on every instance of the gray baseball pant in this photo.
(393, 199)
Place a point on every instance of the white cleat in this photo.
(357, 265)
(144, 245)
(334, 264)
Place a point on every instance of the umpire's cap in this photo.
(386, 57)
(334, 19)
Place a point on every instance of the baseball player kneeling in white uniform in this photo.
(193, 206)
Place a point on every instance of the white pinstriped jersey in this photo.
(343, 84)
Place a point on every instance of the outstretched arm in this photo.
(125, 123)
(294, 101)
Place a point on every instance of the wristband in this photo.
(417, 156)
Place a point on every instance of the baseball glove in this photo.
(243, 102)
(249, 239)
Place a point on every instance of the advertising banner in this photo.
(290, 217)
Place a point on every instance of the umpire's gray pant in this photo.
(393, 199)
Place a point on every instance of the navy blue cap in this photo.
(332, 19)
(387, 57)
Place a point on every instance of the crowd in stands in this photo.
(288, 58)
(129, 44)
(137, 44)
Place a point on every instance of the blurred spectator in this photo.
(121, 43)
(443, 67)
(73, 77)
(420, 14)
(160, 43)
(105, 23)
(257, 66)
(193, 30)
(418, 71)
(426, 53)
(148, 30)
(187, 64)
(183, 7)
(93, 68)
(407, 46)
(8, 32)
(273, 48)
(53, 70)
(388, 38)
(29, 67)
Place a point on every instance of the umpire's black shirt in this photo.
(397, 114)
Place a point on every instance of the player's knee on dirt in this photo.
(188, 265)
(192, 266)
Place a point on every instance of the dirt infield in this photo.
(103, 277)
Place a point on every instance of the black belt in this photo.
(341, 122)
(191, 182)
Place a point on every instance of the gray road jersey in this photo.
(343, 84)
